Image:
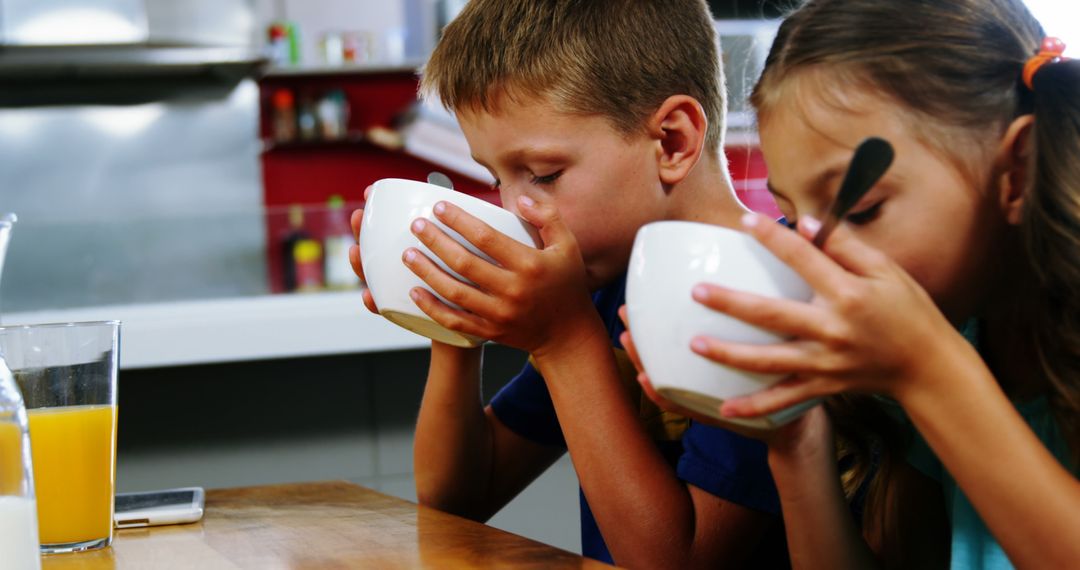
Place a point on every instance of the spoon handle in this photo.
(872, 158)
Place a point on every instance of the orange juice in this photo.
(74, 451)
(10, 460)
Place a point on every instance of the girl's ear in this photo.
(1013, 167)
(679, 128)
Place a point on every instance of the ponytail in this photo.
(1051, 230)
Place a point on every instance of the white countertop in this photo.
(248, 328)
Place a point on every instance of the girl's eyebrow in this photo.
(822, 181)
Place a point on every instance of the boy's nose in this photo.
(509, 200)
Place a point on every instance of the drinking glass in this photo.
(67, 375)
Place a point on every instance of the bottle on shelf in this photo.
(295, 235)
(307, 120)
(308, 260)
(338, 238)
(284, 105)
(333, 112)
(277, 45)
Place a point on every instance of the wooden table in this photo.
(333, 525)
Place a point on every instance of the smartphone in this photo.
(151, 508)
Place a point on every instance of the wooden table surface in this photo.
(332, 525)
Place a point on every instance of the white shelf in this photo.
(230, 330)
(406, 66)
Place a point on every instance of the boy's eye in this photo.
(548, 179)
(496, 184)
(866, 215)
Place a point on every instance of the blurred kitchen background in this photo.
(188, 166)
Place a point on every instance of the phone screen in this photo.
(139, 501)
(167, 506)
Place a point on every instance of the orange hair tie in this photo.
(1050, 52)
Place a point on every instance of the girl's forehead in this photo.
(836, 107)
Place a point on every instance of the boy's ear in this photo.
(1013, 166)
(679, 127)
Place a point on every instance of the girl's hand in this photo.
(354, 255)
(869, 328)
(532, 299)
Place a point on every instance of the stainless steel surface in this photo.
(67, 22)
(203, 22)
(62, 52)
(140, 203)
(36, 62)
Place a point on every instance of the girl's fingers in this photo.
(822, 273)
(783, 395)
(447, 316)
(793, 357)
(850, 252)
(459, 259)
(498, 246)
(354, 260)
(782, 316)
(445, 285)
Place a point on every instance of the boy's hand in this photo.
(354, 255)
(532, 299)
(646, 386)
(870, 327)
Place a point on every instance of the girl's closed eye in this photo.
(547, 179)
(866, 215)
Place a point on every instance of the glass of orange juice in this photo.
(67, 375)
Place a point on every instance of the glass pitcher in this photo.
(18, 509)
(6, 222)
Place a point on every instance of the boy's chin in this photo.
(596, 278)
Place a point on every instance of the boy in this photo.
(594, 117)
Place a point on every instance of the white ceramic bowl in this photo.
(667, 261)
(391, 208)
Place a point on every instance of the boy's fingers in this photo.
(369, 301)
(823, 274)
(448, 287)
(355, 219)
(354, 260)
(548, 221)
(631, 350)
(453, 319)
(500, 247)
(782, 316)
(457, 257)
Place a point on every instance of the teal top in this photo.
(972, 544)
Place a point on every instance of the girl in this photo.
(978, 223)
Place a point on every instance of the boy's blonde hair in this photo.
(619, 59)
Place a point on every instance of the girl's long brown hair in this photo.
(954, 67)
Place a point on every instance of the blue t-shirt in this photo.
(973, 547)
(730, 466)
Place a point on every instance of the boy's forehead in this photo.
(518, 129)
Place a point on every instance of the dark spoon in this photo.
(872, 158)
